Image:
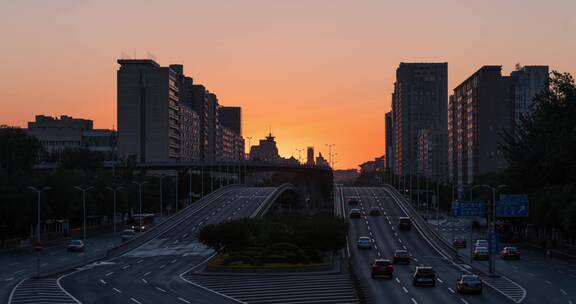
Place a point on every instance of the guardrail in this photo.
(267, 203)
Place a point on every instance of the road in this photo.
(150, 273)
(387, 238)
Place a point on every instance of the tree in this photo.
(18, 150)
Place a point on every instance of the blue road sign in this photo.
(493, 243)
(468, 208)
(512, 205)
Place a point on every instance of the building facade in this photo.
(310, 156)
(481, 108)
(418, 103)
(530, 81)
(389, 161)
(266, 150)
(231, 118)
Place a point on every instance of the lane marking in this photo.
(451, 290)
(184, 300)
(404, 288)
(135, 301)
(397, 280)
(162, 266)
(139, 261)
(463, 301)
(413, 301)
(548, 282)
(564, 292)
(117, 290)
(144, 280)
(110, 273)
(162, 290)
(126, 267)
(439, 280)
(102, 281)
(149, 272)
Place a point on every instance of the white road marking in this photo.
(135, 301)
(564, 292)
(405, 290)
(117, 290)
(144, 280)
(162, 290)
(139, 261)
(451, 290)
(548, 282)
(184, 300)
(149, 272)
(162, 266)
(378, 253)
(173, 261)
(463, 301)
(413, 301)
(439, 280)
(397, 280)
(110, 273)
(102, 281)
(126, 267)
(9, 279)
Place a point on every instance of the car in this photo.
(364, 242)
(76, 245)
(404, 223)
(469, 283)
(481, 253)
(510, 252)
(355, 213)
(481, 243)
(139, 228)
(127, 234)
(424, 276)
(353, 202)
(459, 242)
(374, 211)
(382, 268)
(401, 257)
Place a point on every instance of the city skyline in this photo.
(343, 70)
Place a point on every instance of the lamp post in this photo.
(491, 220)
(39, 195)
(83, 190)
(114, 190)
(140, 184)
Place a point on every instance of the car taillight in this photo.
(389, 267)
(375, 267)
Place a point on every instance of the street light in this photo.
(491, 219)
(114, 190)
(83, 190)
(39, 194)
(140, 184)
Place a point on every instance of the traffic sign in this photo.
(512, 205)
(493, 243)
(468, 208)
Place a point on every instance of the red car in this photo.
(401, 257)
(382, 267)
(510, 253)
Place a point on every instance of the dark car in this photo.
(469, 283)
(401, 257)
(355, 213)
(510, 252)
(374, 211)
(424, 276)
(382, 268)
(404, 223)
(353, 202)
(76, 245)
(459, 242)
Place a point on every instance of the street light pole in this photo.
(83, 190)
(114, 190)
(39, 195)
(140, 184)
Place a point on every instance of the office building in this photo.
(310, 156)
(530, 81)
(481, 108)
(418, 103)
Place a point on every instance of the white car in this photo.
(481, 243)
(364, 242)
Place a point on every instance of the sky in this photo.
(313, 72)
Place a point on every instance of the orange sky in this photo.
(317, 72)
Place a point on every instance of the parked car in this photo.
(355, 213)
(510, 252)
(76, 245)
(424, 276)
(374, 211)
(404, 223)
(127, 234)
(401, 257)
(481, 253)
(459, 242)
(382, 267)
(364, 242)
(469, 283)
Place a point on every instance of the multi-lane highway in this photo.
(149, 273)
(387, 238)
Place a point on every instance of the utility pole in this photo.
(114, 190)
(83, 190)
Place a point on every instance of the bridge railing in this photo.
(272, 197)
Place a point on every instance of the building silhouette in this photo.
(231, 118)
(530, 80)
(266, 150)
(389, 140)
(321, 161)
(310, 156)
(419, 103)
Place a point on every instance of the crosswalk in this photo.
(39, 291)
(295, 289)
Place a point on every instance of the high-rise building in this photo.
(389, 162)
(418, 103)
(266, 150)
(481, 108)
(530, 80)
(310, 156)
(231, 118)
(153, 115)
(213, 148)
